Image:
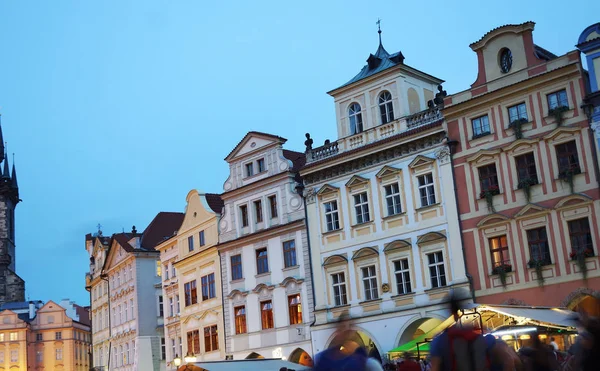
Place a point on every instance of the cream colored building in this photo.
(198, 300)
(264, 253)
(169, 254)
(49, 341)
(382, 215)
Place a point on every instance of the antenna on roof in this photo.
(99, 226)
(379, 29)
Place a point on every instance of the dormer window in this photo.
(386, 108)
(355, 118)
(249, 169)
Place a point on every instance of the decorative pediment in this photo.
(396, 245)
(572, 200)
(235, 292)
(387, 171)
(484, 155)
(495, 218)
(365, 252)
(530, 210)
(431, 237)
(291, 280)
(420, 161)
(561, 133)
(261, 286)
(326, 189)
(335, 259)
(520, 144)
(356, 180)
(252, 142)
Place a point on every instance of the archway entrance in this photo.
(417, 329)
(301, 357)
(350, 340)
(587, 304)
(254, 355)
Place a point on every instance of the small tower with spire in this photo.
(12, 287)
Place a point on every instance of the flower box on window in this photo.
(587, 253)
(558, 113)
(491, 191)
(502, 268)
(517, 125)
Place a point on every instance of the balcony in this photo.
(374, 134)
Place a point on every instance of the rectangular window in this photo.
(295, 309)
(173, 271)
(332, 216)
(557, 99)
(258, 213)
(57, 335)
(208, 286)
(499, 251)
(131, 311)
(39, 337)
(260, 163)
(193, 341)
(201, 238)
(273, 206)
(39, 356)
(581, 237)
(481, 126)
(161, 311)
(14, 355)
(180, 345)
(1, 356)
(437, 271)
(171, 307)
(249, 169)
(191, 243)
(166, 270)
(211, 339)
(539, 250)
(177, 306)
(262, 262)
(568, 160)
(173, 348)
(244, 215)
(236, 267)
(426, 189)
(59, 354)
(361, 207)
(289, 253)
(191, 294)
(240, 320)
(266, 314)
(526, 170)
(402, 273)
(517, 112)
(488, 178)
(163, 349)
(339, 289)
(13, 336)
(369, 279)
(392, 199)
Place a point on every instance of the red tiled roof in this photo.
(164, 225)
(123, 240)
(84, 314)
(298, 159)
(392, 138)
(214, 202)
(276, 137)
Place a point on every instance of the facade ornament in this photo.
(439, 96)
(443, 154)
(385, 287)
(309, 194)
(308, 142)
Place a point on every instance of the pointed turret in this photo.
(6, 171)
(2, 149)
(14, 183)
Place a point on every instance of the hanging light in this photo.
(189, 358)
(177, 360)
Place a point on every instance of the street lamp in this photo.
(189, 358)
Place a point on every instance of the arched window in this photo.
(355, 117)
(386, 109)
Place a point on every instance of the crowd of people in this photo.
(460, 348)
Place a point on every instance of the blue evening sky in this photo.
(116, 109)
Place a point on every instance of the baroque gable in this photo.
(521, 145)
(420, 161)
(573, 200)
(327, 189)
(493, 219)
(387, 171)
(483, 156)
(561, 134)
(531, 210)
(253, 142)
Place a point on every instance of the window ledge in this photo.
(407, 295)
(262, 274)
(358, 225)
(332, 231)
(395, 216)
(482, 135)
(441, 288)
(238, 280)
(290, 268)
(338, 307)
(533, 185)
(543, 266)
(428, 206)
(255, 175)
(372, 301)
(575, 175)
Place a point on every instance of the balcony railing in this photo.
(374, 134)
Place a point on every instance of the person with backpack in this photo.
(458, 348)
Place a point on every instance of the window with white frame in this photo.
(332, 217)
(355, 118)
(386, 108)
(481, 126)
(402, 272)
(361, 208)
(369, 278)
(338, 281)
(426, 189)
(437, 272)
(171, 307)
(517, 112)
(392, 199)
(557, 99)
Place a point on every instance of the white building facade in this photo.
(382, 214)
(264, 253)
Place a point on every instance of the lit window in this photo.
(211, 338)
(295, 309)
(499, 252)
(289, 253)
(437, 271)
(14, 336)
(481, 126)
(193, 341)
(361, 207)
(392, 199)
(557, 99)
(339, 289)
(332, 216)
(158, 268)
(426, 189)
(240, 320)
(266, 314)
(355, 118)
(191, 294)
(369, 279)
(386, 108)
(402, 273)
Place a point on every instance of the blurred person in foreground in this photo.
(409, 363)
(584, 355)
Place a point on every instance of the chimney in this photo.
(32, 309)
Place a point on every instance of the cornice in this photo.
(262, 235)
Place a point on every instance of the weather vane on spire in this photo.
(379, 28)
